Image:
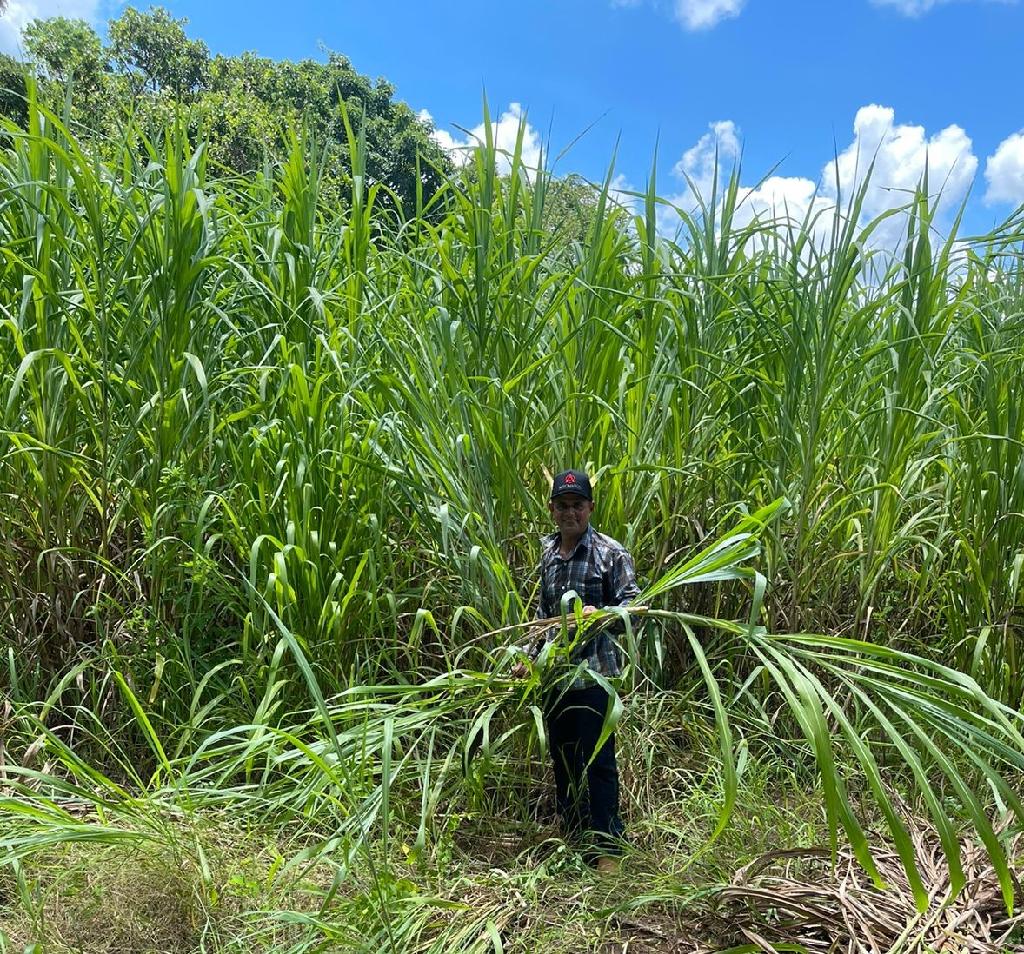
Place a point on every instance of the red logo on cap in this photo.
(570, 478)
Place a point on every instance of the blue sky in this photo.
(784, 81)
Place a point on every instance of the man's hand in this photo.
(521, 670)
(586, 611)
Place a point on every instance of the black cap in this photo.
(571, 482)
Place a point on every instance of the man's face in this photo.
(571, 513)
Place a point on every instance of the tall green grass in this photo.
(272, 473)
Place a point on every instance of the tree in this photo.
(259, 96)
(239, 127)
(154, 48)
(70, 52)
(570, 206)
(67, 50)
(241, 106)
(12, 89)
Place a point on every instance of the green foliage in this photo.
(67, 50)
(153, 49)
(570, 207)
(12, 90)
(240, 107)
(272, 472)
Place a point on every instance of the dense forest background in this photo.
(149, 71)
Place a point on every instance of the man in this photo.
(600, 571)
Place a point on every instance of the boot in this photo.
(607, 865)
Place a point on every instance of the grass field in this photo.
(272, 475)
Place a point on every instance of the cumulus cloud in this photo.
(783, 198)
(704, 14)
(720, 146)
(1004, 171)
(896, 155)
(442, 137)
(622, 192)
(900, 154)
(21, 12)
(505, 130)
(696, 169)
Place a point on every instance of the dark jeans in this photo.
(574, 719)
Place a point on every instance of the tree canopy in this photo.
(150, 68)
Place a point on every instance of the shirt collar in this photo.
(554, 541)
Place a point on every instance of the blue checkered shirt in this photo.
(600, 571)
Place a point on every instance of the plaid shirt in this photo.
(600, 571)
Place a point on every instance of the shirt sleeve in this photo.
(622, 585)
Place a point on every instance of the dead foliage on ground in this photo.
(796, 898)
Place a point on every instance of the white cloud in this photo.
(917, 8)
(696, 170)
(778, 197)
(693, 14)
(900, 153)
(21, 12)
(910, 8)
(721, 144)
(505, 130)
(442, 137)
(621, 190)
(1004, 171)
(704, 14)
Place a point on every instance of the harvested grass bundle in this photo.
(789, 900)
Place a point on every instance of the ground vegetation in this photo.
(273, 469)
